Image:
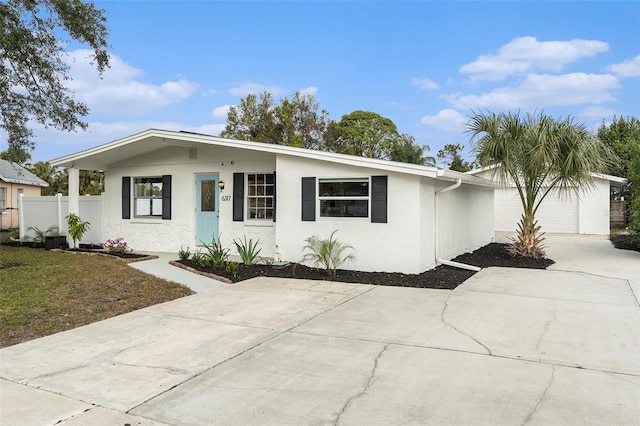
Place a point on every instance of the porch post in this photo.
(74, 191)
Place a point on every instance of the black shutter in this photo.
(126, 197)
(166, 197)
(308, 199)
(238, 197)
(379, 199)
(275, 196)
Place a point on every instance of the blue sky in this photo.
(426, 65)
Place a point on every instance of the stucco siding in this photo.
(9, 217)
(170, 235)
(393, 246)
(465, 219)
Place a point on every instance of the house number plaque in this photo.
(226, 197)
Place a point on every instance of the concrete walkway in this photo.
(160, 267)
(509, 346)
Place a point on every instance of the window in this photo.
(260, 194)
(347, 197)
(147, 195)
(3, 196)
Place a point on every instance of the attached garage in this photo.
(566, 212)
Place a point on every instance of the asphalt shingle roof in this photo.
(15, 173)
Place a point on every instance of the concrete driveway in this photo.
(509, 346)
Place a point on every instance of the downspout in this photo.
(435, 230)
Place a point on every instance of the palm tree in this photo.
(539, 155)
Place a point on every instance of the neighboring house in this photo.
(15, 180)
(166, 190)
(586, 211)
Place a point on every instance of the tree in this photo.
(252, 120)
(15, 152)
(405, 150)
(295, 121)
(452, 158)
(622, 136)
(362, 133)
(33, 71)
(299, 122)
(539, 154)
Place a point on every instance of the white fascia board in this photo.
(195, 138)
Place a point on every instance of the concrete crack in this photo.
(544, 332)
(542, 397)
(366, 386)
(444, 321)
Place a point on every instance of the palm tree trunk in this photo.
(528, 242)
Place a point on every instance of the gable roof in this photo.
(145, 142)
(15, 173)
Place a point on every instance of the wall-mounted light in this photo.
(221, 185)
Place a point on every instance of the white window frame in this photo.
(262, 213)
(330, 198)
(155, 200)
(3, 199)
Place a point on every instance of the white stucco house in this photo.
(166, 190)
(585, 211)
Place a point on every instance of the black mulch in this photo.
(443, 277)
(626, 242)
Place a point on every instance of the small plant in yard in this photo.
(248, 251)
(184, 253)
(77, 228)
(40, 236)
(217, 254)
(232, 268)
(329, 253)
(200, 259)
(117, 245)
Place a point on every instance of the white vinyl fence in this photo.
(45, 212)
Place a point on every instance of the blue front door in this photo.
(207, 208)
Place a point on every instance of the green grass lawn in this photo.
(43, 292)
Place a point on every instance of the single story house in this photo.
(14, 181)
(585, 211)
(167, 190)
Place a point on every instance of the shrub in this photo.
(77, 227)
(200, 259)
(40, 236)
(217, 254)
(232, 268)
(329, 253)
(247, 250)
(184, 254)
(117, 245)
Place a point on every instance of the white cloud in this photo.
(449, 120)
(424, 83)
(526, 54)
(221, 112)
(120, 91)
(628, 68)
(544, 90)
(598, 113)
(249, 88)
(311, 90)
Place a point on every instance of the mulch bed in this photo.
(442, 277)
(626, 242)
